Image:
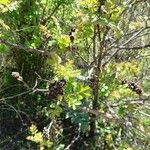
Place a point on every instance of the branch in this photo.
(46, 130)
(113, 44)
(75, 138)
(132, 37)
(134, 48)
(18, 46)
(94, 44)
(23, 93)
(29, 89)
(55, 9)
(78, 54)
(17, 95)
(13, 108)
(122, 46)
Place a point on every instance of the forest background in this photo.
(75, 74)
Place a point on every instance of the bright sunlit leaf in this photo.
(4, 2)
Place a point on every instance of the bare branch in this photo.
(132, 37)
(18, 46)
(122, 46)
(17, 95)
(75, 138)
(134, 48)
(13, 108)
(49, 17)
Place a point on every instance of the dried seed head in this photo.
(17, 76)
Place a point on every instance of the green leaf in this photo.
(53, 59)
(63, 41)
(55, 111)
(118, 33)
(146, 122)
(103, 21)
(104, 91)
(3, 48)
(121, 111)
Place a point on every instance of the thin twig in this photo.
(122, 45)
(15, 85)
(78, 54)
(134, 48)
(18, 46)
(55, 9)
(75, 139)
(132, 37)
(49, 128)
(4, 103)
(17, 95)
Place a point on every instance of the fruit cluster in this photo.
(133, 86)
(72, 34)
(92, 82)
(56, 89)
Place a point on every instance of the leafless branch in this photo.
(75, 138)
(18, 46)
(132, 37)
(122, 46)
(17, 95)
(29, 90)
(40, 78)
(79, 55)
(13, 108)
(134, 48)
(55, 9)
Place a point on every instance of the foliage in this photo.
(38, 138)
(92, 57)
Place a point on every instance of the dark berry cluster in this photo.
(72, 34)
(56, 89)
(92, 82)
(133, 86)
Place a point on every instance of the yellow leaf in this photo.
(4, 2)
(115, 95)
(87, 2)
(38, 137)
(4, 25)
(129, 148)
(33, 129)
(41, 147)
(108, 138)
(64, 41)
